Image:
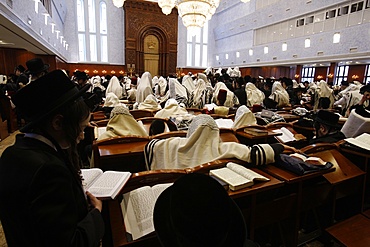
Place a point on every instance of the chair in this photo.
(102, 123)
(99, 115)
(351, 232)
(142, 113)
(120, 153)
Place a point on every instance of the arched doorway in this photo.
(151, 54)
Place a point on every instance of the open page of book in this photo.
(89, 176)
(287, 135)
(362, 141)
(224, 123)
(312, 160)
(109, 184)
(138, 207)
(98, 131)
(235, 180)
(245, 172)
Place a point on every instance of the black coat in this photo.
(42, 202)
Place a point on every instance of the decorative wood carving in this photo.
(143, 18)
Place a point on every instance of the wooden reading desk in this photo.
(255, 134)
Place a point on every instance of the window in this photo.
(331, 14)
(309, 19)
(367, 4)
(308, 74)
(336, 38)
(196, 48)
(47, 5)
(341, 74)
(300, 22)
(343, 10)
(92, 30)
(307, 43)
(357, 7)
(367, 75)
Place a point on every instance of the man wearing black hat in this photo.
(36, 68)
(43, 202)
(327, 128)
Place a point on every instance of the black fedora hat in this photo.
(328, 118)
(36, 65)
(197, 211)
(44, 96)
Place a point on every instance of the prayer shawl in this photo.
(127, 82)
(198, 95)
(244, 117)
(111, 100)
(131, 94)
(162, 84)
(323, 91)
(150, 103)
(144, 87)
(202, 145)
(254, 95)
(235, 72)
(122, 123)
(96, 82)
(171, 109)
(231, 99)
(114, 87)
(279, 94)
(178, 91)
(203, 77)
(188, 83)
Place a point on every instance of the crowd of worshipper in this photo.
(319, 104)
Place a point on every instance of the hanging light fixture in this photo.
(194, 13)
(118, 3)
(166, 6)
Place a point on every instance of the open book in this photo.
(286, 135)
(311, 160)
(362, 141)
(224, 123)
(256, 132)
(237, 176)
(104, 185)
(98, 131)
(138, 207)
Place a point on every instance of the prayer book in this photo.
(237, 176)
(286, 135)
(104, 185)
(311, 160)
(137, 209)
(224, 123)
(362, 141)
(98, 131)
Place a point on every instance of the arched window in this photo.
(196, 47)
(92, 30)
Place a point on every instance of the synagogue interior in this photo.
(180, 87)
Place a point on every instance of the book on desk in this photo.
(237, 176)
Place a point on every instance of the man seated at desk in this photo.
(327, 128)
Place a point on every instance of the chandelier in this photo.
(194, 13)
(118, 3)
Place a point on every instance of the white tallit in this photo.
(188, 83)
(171, 108)
(229, 96)
(150, 103)
(144, 88)
(244, 117)
(254, 95)
(201, 145)
(176, 89)
(279, 94)
(122, 123)
(323, 90)
(114, 87)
